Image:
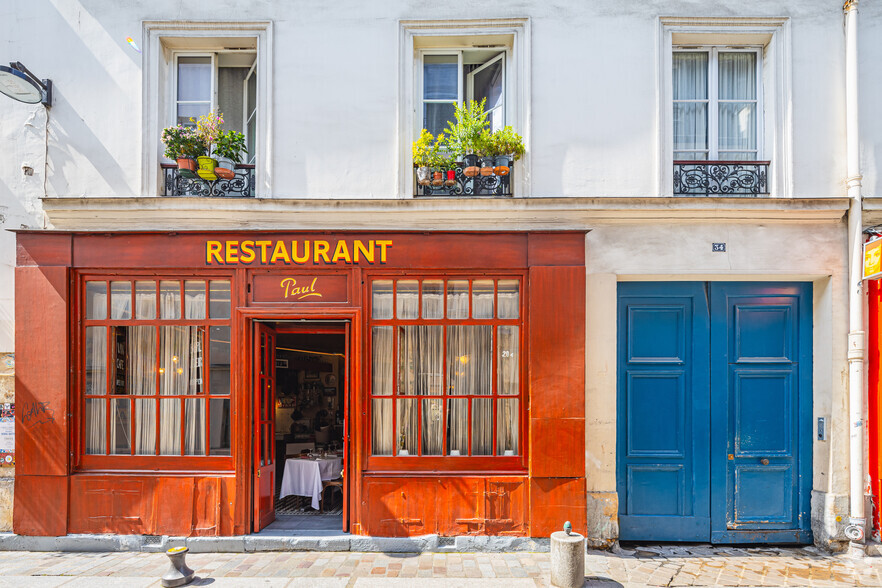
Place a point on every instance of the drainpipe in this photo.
(856, 520)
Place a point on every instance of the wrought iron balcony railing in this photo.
(459, 184)
(177, 184)
(721, 178)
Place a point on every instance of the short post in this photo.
(567, 558)
(178, 573)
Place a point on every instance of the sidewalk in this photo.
(645, 566)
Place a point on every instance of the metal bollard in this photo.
(178, 573)
(567, 558)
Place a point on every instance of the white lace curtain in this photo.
(180, 369)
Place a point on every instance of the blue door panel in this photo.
(662, 469)
(714, 412)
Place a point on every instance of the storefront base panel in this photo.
(554, 501)
(41, 505)
(446, 506)
(152, 505)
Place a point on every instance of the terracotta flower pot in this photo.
(224, 173)
(438, 178)
(502, 165)
(471, 171)
(486, 166)
(186, 163)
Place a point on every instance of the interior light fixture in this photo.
(17, 82)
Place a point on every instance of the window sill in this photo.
(184, 183)
(389, 465)
(155, 464)
(721, 178)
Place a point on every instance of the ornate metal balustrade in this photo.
(464, 185)
(721, 178)
(176, 184)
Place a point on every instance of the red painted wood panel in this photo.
(556, 249)
(41, 505)
(874, 396)
(43, 248)
(154, 505)
(557, 342)
(41, 375)
(407, 250)
(448, 506)
(553, 501)
(557, 448)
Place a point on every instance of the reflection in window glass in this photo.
(458, 299)
(121, 300)
(433, 299)
(219, 378)
(170, 299)
(381, 299)
(407, 297)
(220, 426)
(508, 295)
(145, 300)
(96, 300)
(219, 292)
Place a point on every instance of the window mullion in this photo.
(713, 105)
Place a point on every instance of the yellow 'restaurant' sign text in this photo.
(873, 259)
(307, 252)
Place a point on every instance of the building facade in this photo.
(639, 329)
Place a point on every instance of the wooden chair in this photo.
(336, 483)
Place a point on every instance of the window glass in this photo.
(145, 426)
(219, 376)
(96, 300)
(508, 296)
(507, 360)
(440, 77)
(96, 426)
(381, 358)
(432, 426)
(482, 299)
(468, 359)
(194, 426)
(145, 300)
(96, 360)
(420, 359)
(381, 299)
(120, 426)
(507, 426)
(407, 297)
(194, 299)
(180, 360)
(407, 426)
(458, 299)
(220, 426)
(121, 300)
(433, 299)
(219, 294)
(194, 87)
(482, 426)
(170, 426)
(457, 427)
(381, 431)
(170, 299)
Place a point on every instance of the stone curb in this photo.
(257, 543)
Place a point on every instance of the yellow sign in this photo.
(873, 259)
(289, 285)
(307, 252)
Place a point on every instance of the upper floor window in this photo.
(716, 104)
(224, 82)
(459, 76)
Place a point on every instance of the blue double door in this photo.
(714, 412)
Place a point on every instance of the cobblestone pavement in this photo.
(642, 566)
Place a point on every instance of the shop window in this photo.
(445, 367)
(157, 367)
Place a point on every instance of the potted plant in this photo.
(208, 129)
(484, 146)
(450, 169)
(231, 147)
(507, 147)
(464, 136)
(422, 156)
(183, 145)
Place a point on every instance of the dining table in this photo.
(304, 476)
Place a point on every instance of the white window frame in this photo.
(173, 99)
(410, 98)
(160, 78)
(770, 37)
(713, 101)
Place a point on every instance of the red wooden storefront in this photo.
(101, 449)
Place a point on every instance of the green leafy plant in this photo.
(231, 145)
(423, 148)
(507, 142)
(464, 136)
(208, 127)
(181, 141)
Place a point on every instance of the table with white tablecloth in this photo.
(303, 477)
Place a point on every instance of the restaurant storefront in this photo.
(165, 379)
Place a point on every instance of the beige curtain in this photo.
(382, 432)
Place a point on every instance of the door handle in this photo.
(764, 461)
(258, 473)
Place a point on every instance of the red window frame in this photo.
(489, 464)
(157, 462)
